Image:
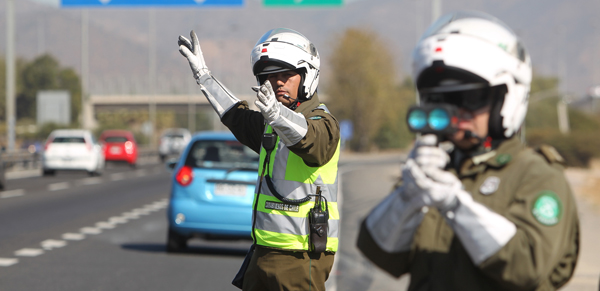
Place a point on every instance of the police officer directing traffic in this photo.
(295, 214)
(489, 213)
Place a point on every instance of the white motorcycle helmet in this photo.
(283, 49)
(474, 57)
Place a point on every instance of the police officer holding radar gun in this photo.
(488, 213)
(295, 218)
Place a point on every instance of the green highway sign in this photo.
(303, 2)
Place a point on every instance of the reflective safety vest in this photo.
(285, 226)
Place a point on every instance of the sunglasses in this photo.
(471, 100)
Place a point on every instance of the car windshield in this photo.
(173, 135)
(115, 139)
(68, 139)
(221, 154)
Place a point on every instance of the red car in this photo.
(119, 145)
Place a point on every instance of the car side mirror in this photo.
(170, 164)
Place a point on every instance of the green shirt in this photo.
(526, 187)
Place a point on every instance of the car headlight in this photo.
(179, 218)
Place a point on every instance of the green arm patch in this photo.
(547, 208)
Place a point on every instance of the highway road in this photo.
(75, 232)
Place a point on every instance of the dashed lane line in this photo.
(90, 181)
(117, 176)
(12, 193)
(73, 236)
(51, 244)
(117, 220)
(140, 173)
(90, 230)
(105, 225)
(7, 262)
(59, 186)
(29, 252)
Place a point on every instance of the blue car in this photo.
(212, 190)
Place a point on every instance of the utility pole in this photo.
(85, 69)
(152, 72)
(563, 115)
(10, 74)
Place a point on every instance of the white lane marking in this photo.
(105, 225)
(12, 193)
(58, 186)
(140, 211)
(27, 252)
(140, 173)
(117, 220)
(117, 176)
(7, 262)
(90, 181)
(73, 236)
(53, 244)
(130, 215)
(90, 230)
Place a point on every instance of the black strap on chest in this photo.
(269, 142)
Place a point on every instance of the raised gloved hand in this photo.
(427, 154)
(266, 102)
(438, 188)
(191, 50)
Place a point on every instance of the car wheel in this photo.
(175, 242)
(163, 158)
(48, 172)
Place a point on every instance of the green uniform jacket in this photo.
(519, 184)
(316, 148)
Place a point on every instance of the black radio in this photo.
(318, 221)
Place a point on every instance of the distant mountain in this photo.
(563, 37)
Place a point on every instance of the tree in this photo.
(45, 73)
(363, 85)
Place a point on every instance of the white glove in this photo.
(193, 53)
(427, 154)
(437, 187)
(266, 102)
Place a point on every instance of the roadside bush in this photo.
(578, 148)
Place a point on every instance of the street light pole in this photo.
(85, 67)
(10, 74)
(152, 72)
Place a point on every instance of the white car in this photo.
(72, 149)
(173, 141)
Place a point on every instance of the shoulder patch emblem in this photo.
(315, 117)
(547, 208)
(490, 185)
(503, 159)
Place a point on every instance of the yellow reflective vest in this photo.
(285, 226)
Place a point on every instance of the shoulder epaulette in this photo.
(551, 154)
(322, 107)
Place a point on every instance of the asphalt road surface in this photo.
(74, 232)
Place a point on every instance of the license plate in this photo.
(115, 150)
(224, 189)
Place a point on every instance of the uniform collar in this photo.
(308, 105)
(497, 158)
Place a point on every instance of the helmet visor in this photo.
(472, 99)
